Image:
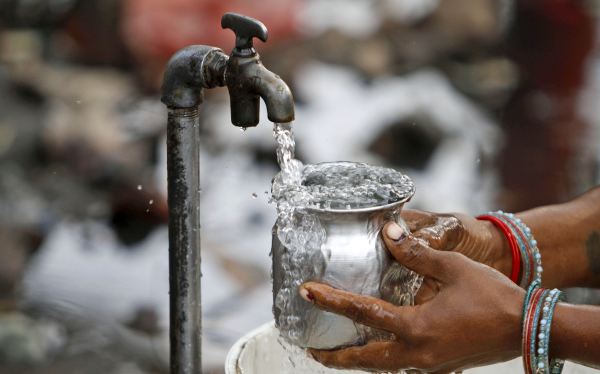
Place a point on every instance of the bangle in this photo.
(527, 330)
(532, 287)
(532, 249)
(538, 310)
(531, 328)
(530, 259)
(527, 261)
(514, 248)
(555, 365)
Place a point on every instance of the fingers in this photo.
(428, 290)
(388, 356)
(415, 254)
(375, 356)
(418, 219)
(444, 234)
(365, 310)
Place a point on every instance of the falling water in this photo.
(299, 232)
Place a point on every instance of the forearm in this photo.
(575, 334)
(568, 237)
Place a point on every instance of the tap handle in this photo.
(245, 28)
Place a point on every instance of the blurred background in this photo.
(486, 104)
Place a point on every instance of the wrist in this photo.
(514, 318)
(562, 338)
(575, 330)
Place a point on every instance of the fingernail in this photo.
(306, 295)
(395, 232)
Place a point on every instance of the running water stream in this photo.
(300, 233)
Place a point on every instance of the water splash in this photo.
(300, 233)
(299, 189)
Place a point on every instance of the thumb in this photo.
(414, 253)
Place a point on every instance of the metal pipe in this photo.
(183, 168)
(188, 72)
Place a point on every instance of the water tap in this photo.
(187, 74)
(197, 67)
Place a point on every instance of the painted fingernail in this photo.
(395, 232)
(306, 295)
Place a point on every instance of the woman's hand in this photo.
(478, 240)
(473, 319)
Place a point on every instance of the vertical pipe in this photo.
(183, 170)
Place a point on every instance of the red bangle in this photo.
(528, 326)
(530, 260)
(512, 241)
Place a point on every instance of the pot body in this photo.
(351, 257)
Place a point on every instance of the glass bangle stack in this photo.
(539, 303)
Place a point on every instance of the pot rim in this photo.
(369, 209)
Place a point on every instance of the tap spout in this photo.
(276, 95)
(248, 80)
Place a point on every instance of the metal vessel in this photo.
(353, 258)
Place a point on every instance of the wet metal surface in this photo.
(183, 165)
(354, 259)
(248, 80)
(188, 72)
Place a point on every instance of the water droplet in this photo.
(243, 129)
(148, 210)
(254, 195)
(77, 102)
(478, 160)
(151, 202)
(139, 187)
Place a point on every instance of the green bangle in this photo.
(532, 287)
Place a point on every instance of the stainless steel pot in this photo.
(353, 258)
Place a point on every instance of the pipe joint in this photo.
(189, 71)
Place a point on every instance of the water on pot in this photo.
(299, 189)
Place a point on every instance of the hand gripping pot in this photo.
(352, 257)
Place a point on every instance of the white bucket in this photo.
(259, 352)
